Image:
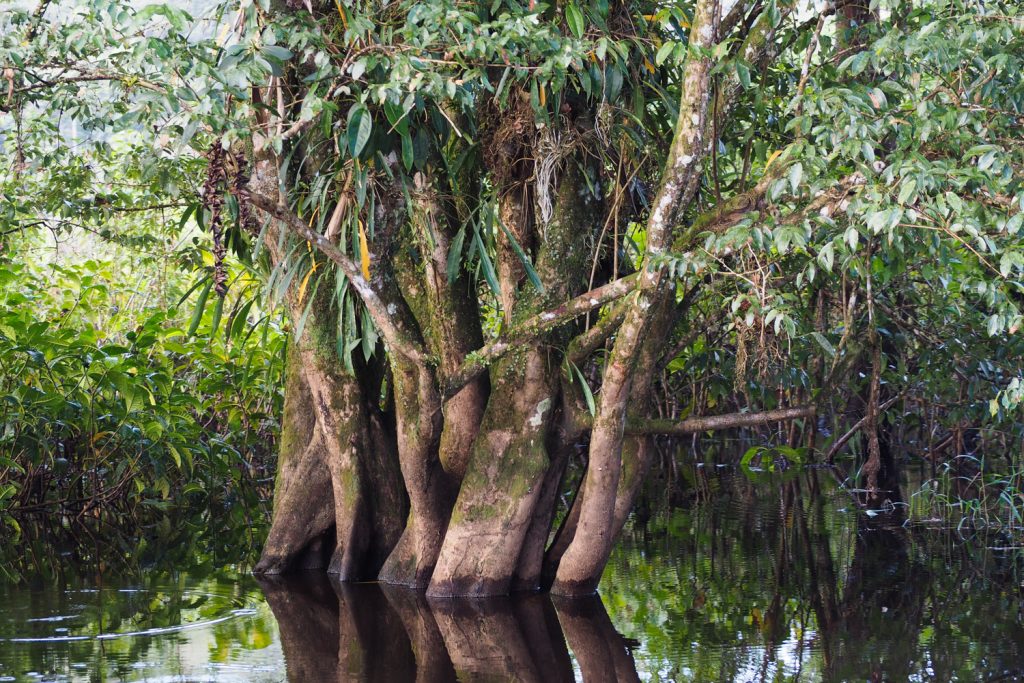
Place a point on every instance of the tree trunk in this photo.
(498, 500)
(346, 476)
(581, 566)
(433, 458)
(303, 496)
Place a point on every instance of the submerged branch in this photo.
(532, 328)
(396, 338)
(692, 425)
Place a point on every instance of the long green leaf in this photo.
(197, 314)
(531, 274)
(360, 124)
(487, 265)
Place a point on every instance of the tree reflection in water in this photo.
(333, 631)
(738, 576)
(787, 578)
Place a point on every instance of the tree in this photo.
(496, 227)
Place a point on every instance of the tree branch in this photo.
(859, 425)
(692, 425)
(532, 328)
(125, 79)
(586, 343)
(398, 339)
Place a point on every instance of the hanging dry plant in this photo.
(213, 201)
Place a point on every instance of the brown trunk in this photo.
(303, 496)
(637, 450)
(447, 314)
(873, 465)
(364, 500)
(497, 503)
(341, 423)
(419, 422)
(584, 560)
(529, 570)
(418, 414)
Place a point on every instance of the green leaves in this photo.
(742, 73)
(574, 18)
(276, 52)
(141, 401)
(796, 174)
(197, 313)
(358, 129)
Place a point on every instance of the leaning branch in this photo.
(394, 336)
(477, 362)
(733, 210)
(860, 424)
(693, 425)
(125, 79)
(588, 342)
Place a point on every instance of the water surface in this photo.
(740, 577)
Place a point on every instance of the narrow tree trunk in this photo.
(418, 414)
(581, 566)
(529, 570)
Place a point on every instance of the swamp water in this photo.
(772, 578)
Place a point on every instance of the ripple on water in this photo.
(210, 629)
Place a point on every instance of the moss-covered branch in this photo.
(398, 339)
(531, 328)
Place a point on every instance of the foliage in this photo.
(112, 401)
(853, 238)
(913, 126)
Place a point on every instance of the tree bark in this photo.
(499, 495)
(581, 566)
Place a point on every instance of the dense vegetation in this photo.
(123, 399)
(516, 244)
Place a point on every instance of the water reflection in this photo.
(162, 627)
(787, 579)
(332, 631)
(739, 578)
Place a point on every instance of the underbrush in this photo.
(963, 494)
(113, 402)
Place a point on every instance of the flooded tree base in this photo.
(733, 575)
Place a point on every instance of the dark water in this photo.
(742, 580)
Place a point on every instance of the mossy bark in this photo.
(345, 485)
(303, 495)
(418, 418)
(580, 567)
(498, 499)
